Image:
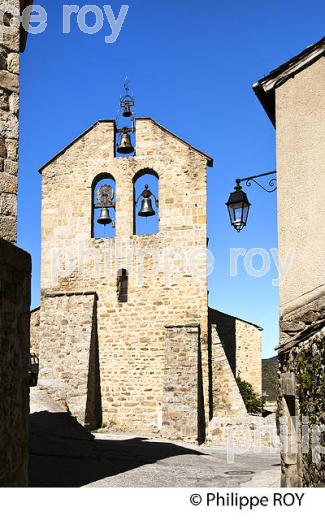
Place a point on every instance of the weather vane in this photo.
(126, 84)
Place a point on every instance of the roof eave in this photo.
(267, 100)
(236, 318)
(265, 87)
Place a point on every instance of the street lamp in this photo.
(238, 204)
(238, 207)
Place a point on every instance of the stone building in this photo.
(15, 267)
(293, 97)
(125, 336)
(242, 343)
(35, 331)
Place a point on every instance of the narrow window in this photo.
(122, 285)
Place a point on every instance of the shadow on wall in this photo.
(200, 396)
(226, 329)
(63, 454)
(93, 416)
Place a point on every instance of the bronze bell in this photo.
(127, 109)
(104, 218)
(125, 144)
(146, 208)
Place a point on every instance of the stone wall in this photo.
(242, 343)
(131, 335)
(15, 269)
(15, 273)
(225, 399)
(302, 390)
(69, 369)
(183, 405)
(246, 433)
(35, 331)
(9, 105)
(249, 354)
(299, 318)
(230, 423)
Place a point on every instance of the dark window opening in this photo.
(122, 285)
(291, 413)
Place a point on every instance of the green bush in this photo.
(252, 400)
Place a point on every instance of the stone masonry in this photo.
(35, 331)
(242, 342)
(9, 106)
(154, 368)
(301, 394)
(15, 273)
(229, 402)
(230, 424)
(183, 385)
(15, 267)
(131, 335)
(70, 356)
(249, 353)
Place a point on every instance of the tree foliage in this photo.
(253, 402)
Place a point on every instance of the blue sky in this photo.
(191, 65)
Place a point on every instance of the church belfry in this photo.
(134, 289)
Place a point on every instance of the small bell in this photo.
(125, 146)
(127, 109)
(104, 218)
(146, 209)
(146, 205)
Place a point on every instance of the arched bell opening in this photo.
(103, 220)
(146, 204)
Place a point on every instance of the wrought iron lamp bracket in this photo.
(249, 180)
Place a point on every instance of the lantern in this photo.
(238, 208)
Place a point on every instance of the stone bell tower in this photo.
(124, 317)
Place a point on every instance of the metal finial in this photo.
(126, 84)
